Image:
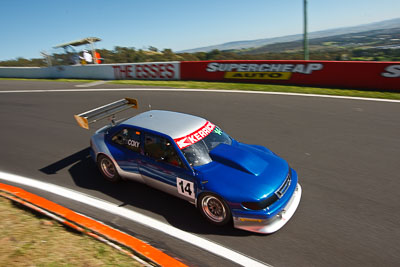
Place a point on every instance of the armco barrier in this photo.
(341, 74)
(337, 74)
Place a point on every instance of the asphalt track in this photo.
(346, 152)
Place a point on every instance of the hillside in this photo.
(375, 39)
(387, 24)
(339, 44)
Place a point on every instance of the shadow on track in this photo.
(177, 212)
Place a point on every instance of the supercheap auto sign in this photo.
(277, 71)
(262, 71)
(336, 74)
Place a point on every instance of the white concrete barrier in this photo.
(128, 71)
(28, 72)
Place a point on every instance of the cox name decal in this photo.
(133, 143)
(151, 71)
(196, 136)
(392, 71)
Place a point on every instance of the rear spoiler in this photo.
(109, 110)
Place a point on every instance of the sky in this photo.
(28, 27)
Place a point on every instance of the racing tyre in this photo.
(214, 209)
(107, 169)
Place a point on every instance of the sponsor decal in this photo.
(267, 69)
(258, 75)
(217, 130)
(155, 71)
(151, 71)
(196, 136)
(123, 72)
(392, 71)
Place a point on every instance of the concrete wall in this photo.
(145, 71)
(17, 72)
(336, 74)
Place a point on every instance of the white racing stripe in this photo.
(198, 90)
(195, 240)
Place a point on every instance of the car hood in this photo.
(241, 172)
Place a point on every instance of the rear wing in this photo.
(109, 110)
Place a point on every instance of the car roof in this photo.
(171, 123)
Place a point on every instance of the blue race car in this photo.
(191, 158)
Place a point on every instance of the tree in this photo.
(152, 48)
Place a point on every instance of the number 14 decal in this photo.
(185, 187)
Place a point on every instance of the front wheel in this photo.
(214, 209)
(107, 169)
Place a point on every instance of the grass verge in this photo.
(27, 239)
(49, 80)
(244, 86)
(264, 87)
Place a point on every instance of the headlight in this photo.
(260, 205)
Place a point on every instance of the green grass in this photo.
(29, 239)
(264, 88)
(245, 86)
(50, 80)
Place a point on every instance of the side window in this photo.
(161, 149)
(128, 138)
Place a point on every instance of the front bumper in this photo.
(271, 225)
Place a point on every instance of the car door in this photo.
(127, 151)
(163, 168)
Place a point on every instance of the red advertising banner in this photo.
(339, 74)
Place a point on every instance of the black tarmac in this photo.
(346, 152)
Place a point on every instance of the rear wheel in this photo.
(108, 169)
(214, 209)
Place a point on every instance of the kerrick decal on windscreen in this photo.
(196, 136)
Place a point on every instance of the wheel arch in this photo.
(200, 194)
(102, 154)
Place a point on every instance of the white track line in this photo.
(91, 84)
(199, 90)
(195, 240)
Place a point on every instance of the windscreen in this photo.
(197, 154)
